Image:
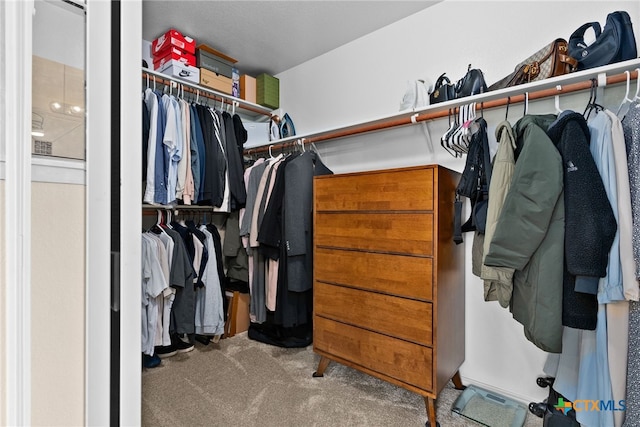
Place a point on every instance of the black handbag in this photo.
(471, 84)
(613, 44)
(443, 90)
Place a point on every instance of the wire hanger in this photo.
(506, 114)
(626, 100)
(526, 103)
(637, 95)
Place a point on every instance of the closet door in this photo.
(60, 137)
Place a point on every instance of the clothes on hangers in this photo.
(275, 229)
(631, 129)
(529, 236)
(192, 153)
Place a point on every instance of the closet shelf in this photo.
(578, 81)
(248, 109)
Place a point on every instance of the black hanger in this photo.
(592, 104)
(506, 114)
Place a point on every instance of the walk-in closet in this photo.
(253, 215)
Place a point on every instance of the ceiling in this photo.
(273, 36)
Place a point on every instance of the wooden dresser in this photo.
(388, 278)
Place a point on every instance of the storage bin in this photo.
(268, 91)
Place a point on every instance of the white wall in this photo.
(366, 79)
(58, 303)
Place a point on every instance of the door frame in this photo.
(16, 165)
(15, 170)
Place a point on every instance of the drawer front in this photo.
(399, 317)
(400, 275)
(404, 361)
(405, 233)
(396, 190)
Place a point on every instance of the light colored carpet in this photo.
(241, 382)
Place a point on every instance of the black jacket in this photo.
(590, 225)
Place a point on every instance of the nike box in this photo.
(174, 54)
(182, 71)
(172, 38)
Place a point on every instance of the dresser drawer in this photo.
(400, 275)
(398, 359)
(399, 317)
(406, 233)
(410, 189)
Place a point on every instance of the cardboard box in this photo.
(238, 313)
(268, 91)
(174, 54)
(174, 38)
(248, 88)
(182, 71)
(214, 60)
(216, 81)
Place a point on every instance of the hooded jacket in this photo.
(503, 167)
(590, 225)
(528, 243)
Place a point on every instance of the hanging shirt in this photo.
(161, 157)
(196, 155)
(151, 101)
(173, 145)
(209, 302)
(220, 140)
(185, 160)
(153, 283)
(601, 146)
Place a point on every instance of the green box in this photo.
(268, 91)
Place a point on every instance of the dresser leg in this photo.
(324, 362)
(430, 404)
(457, 381)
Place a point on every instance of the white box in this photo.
(182, 71)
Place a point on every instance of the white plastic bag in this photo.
(416, 95)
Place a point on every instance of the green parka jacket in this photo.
(527, 247)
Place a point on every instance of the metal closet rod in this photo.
(150, 209)
(203, 92)
(444, 112)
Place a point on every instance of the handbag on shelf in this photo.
(550, 61)
(615, 43)
(471, 84)
(443, 90)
